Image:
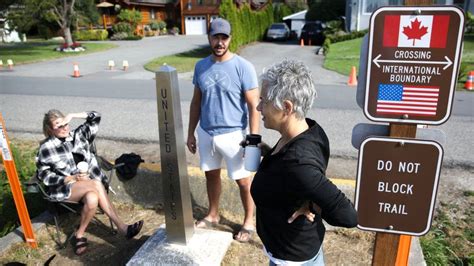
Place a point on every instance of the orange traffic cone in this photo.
(10, 64)
(301, 42)
(76, 74)
(352, 77)
(470, 78)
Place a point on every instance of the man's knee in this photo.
(213, 174)
(244, 183)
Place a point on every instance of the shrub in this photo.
(247, 25)
(154, 25)
(326, 45)
(281, 10)
(25, 166)
(90, 35)
(333, 27)
(132, 17)
(161, 25)
(133, 38)
(463, 71)
(119, 36)
(326, 10)
(122, 27)
(174, 30)
(341, 36)
(125, 36)
(469, 22)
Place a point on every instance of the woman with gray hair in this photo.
(57, 165)
(292, 173)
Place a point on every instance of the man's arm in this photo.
(252, 97)
(194, 113)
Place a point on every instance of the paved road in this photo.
(127, 100)
(94, 65)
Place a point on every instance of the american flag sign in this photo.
(407, 99)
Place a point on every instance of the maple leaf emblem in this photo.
(415, 30)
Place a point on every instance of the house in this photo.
(192, 16)
(150, 10)
(358, 12)
(197, 14)
(296, 21)
(6, 34)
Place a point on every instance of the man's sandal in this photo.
(205, 224)
(79, 245)
(244, 235)
(134, 229)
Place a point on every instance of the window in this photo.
(152, 14)
(277, 26)
(369, 6)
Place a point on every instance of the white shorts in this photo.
(212, 149)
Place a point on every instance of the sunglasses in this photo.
(61, 127)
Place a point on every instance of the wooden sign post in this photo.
(16, 186)
(392, 249)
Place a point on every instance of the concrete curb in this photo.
(17, 235)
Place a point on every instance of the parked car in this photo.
(278, 31)
(313, 31)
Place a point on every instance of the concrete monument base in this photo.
(206, 247)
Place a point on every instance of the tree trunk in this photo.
(67, 36)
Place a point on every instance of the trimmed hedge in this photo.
(334, 38)
(90, 35)
(281, 10)
(247, 25)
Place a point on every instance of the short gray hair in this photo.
(290, 80)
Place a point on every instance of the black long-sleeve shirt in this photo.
(283, 182)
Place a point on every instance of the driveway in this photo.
(137, 53)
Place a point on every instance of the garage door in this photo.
(195, 25)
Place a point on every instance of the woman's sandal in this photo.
(134, 229)
(79, 245)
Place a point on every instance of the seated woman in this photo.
(57, 169)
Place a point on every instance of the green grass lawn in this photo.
(343, 55)
(37, 50)
(183, 62)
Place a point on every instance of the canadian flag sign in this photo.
(413, 57)
(422, 31)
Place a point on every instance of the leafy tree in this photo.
(87, 12)
(132, 17)
(325, 10)
(64, 13)
(5, 4)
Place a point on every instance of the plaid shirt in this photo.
(55, 160)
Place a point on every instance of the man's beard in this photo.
(221, 55)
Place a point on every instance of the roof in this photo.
(299, 15)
